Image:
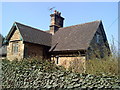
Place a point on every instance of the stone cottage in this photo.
(61, 44)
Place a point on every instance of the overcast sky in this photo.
(38, 15)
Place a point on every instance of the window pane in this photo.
(98, 38)
(15, 48)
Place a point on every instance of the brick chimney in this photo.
(56, 22)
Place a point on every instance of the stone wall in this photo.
(25, 49)
(15, 39)
(65, 61)
(101, 49)
(15, 36)
(33, 50)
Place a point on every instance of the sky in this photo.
(37, 14)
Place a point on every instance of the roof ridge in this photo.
(81, 24)
(32, 27)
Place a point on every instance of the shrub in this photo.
(77, 65)
(107, 65)
(102, 66)
(38, 74)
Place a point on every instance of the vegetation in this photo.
(108, 66)
(38, 73)
(77, 66)
(98, 66)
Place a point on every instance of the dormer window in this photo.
(98, 38)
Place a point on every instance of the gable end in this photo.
(15, 30)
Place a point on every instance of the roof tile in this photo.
(75, 37)
(34, 35)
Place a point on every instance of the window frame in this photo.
(15, 48)
(98, 38)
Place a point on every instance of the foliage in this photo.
(107, 64)
(77, 65)
(102, 66)
(38, 73)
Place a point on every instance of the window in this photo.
(98, 38)
(15, 48)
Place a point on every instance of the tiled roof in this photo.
(75, 37)
(34, 35)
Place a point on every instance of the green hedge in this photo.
(37, 73)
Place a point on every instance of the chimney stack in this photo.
(56, 22)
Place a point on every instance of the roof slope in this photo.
(75, 37)
(33, 35)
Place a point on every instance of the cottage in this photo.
(61, 44)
